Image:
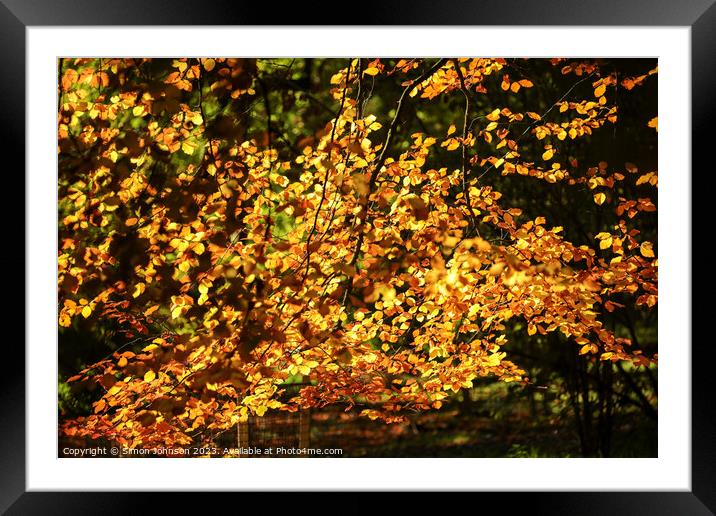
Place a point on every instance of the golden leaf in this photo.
(188, 148)
(138, 290)
(646, 250)
(493, 116)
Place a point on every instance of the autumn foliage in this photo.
(378, 266)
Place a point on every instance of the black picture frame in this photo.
(17, 15)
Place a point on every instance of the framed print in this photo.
(418, 253)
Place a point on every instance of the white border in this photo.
(670, 471)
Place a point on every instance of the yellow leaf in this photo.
(181, 65)
(176, 312)
(496, 269)
(86, 311)
(149, 376)
(199, 248)
(188, 147)
(606, 243)
(122, 362)
(65, 320)
(494, 359)
(600, 90)
(547, 155)
(600, 198)
(138, 290)
(209, 64)
(451, 129)
(494, 116)
(371, 71)
(646, 250)
(114, 390)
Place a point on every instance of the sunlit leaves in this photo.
(188, 147)
(650, 177)
(548, 153)
(69, 78)
(514, 87)
(493, 116)
(384, 273)
(138, 290)
(208, 64)
(605, 240)
(646, 250)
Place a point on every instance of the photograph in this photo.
(357, 257)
